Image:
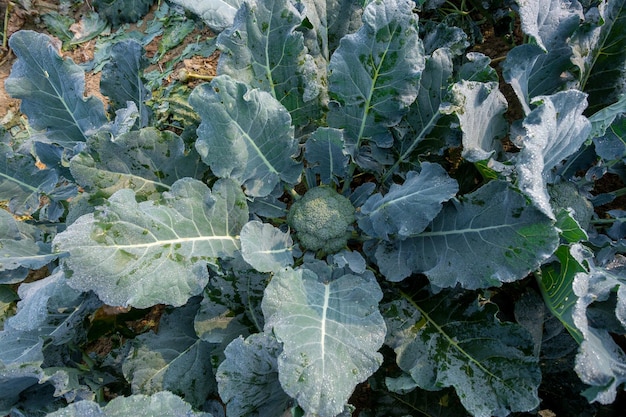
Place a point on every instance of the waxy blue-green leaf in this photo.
(331, 330)
(147, 161)
(51, 89)
(537, 68)
(265, 247)
(173, 359)
(217, 14)
(263, 49)
(22, 183)
(245, 134)
(122, 75)
(251, 367)
(451, 340)
(491, 236)
(142, 254)
(325, 156)
(554, 130)
(480, 108)
(601, 362)
(407, 209)
(159, 404)
(21, 245)
(555, 283)
(599, 52)
(375, 73)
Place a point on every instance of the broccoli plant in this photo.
(471, 269)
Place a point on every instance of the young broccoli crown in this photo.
(321, 219)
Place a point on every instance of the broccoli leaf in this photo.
(21, 245)
(122, 78)
(251, 366)
(554, 130)
(330, 330)
(375, 73)
(263, 50)
(174, 359)
(265, 247)
(421, 195)
(245, 134)
(536, 68)
(147, 161)
(217, 14)
(22, 183)
(600, 54)
(600, 362)
(480, 108)
(142, 254)
(325, 156)
(491, 236)
(160, 403)
(555, 282)
(122, 11)
(51, 89)
(450, 340)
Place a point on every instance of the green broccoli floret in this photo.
(321, 219)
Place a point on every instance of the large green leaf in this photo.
(375, 73)
(480, 108)
(147, 161)
(263, 49)
(22, 183)
(451, 340)
(217, 14)
(142, 254)
(251, 367)
(600, 55)
(265, 247)
(51, 89)
(601, 362)
(122, 81)
(160, 404)
(555, 282)
(173, 359)
(245, 134)
(554, 130)
(408, 208)
(331, 330)
(490, 237)
(325, 156)
(21, 245)
(536, 68)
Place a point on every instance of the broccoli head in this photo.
(321, 219)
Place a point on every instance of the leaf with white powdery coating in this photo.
(173, 359)
(450, 340)
(265, 247)
(142, 254)
(490, 237)
(375, 72)
(554, 130)
(331, 331)
(263, 49)
(480, 108)
(251, 367)
(408, 208)
(245, 134)
(51, 90)
(148, 161)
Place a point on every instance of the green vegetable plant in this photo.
(347, 210)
